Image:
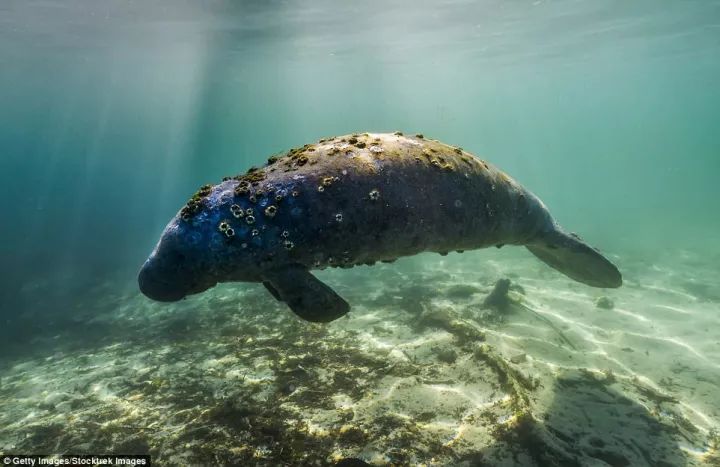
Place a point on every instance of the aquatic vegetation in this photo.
(605, 303)
(242, 188)
(252, 177)
(196, 203)
(446, 355)
(352, 435)
(499, 298)
(461, 291)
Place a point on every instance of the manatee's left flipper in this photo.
(306, 296)
(272, 291)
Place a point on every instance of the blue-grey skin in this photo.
(351, 200)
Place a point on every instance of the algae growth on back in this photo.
(352, 200)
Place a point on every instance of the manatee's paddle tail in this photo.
(576, 259)
(307, 297)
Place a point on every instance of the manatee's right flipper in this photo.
(571, 256)
(309, 298)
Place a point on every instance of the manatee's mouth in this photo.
(158, 289)
(158, 286)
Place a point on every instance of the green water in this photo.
(113, 113)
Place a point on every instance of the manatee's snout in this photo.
(153, 285)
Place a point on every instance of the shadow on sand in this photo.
(590, 421)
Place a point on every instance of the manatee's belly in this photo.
(362, 198)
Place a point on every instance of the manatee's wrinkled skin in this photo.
(351, 200)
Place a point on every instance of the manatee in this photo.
(354, 200)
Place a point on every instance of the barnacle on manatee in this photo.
(250, 219)
(270, 211)
(289, 245)
(237, 211)
(223, 226)
(230, 232)
(374, 195)
(339, 217)
(242, 188)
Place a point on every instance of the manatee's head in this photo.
(226, 232)
(178, 266)
(185, 260)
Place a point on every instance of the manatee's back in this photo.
(361, 198)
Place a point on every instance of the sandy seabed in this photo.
(419, 373)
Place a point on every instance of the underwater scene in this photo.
(401, 233)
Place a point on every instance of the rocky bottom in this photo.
(424, 371)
